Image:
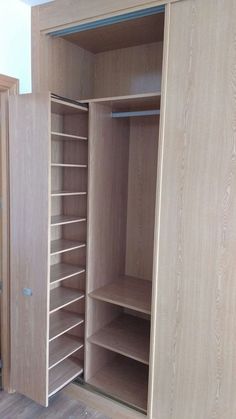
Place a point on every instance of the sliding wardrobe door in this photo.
(194, 362)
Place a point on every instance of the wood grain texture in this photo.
(124, 379)
(64, 271)
(194, 360)
(65, 219)
(62, 107)
(126, 335)
(63, 373)
(134, 102)
(8, 85)
(62, 296)
(61, 246)
(143, 148)
(106, 228)
(133, 293)
(63, 321)
(29, 157)
(135, 70)
(125, 34)
(63, 136)
(62, 347)
(62, 64)
(103, 404)
(72, 12)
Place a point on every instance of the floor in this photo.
(15, 406)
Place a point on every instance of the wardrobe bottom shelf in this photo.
(63, 374)
(125, 380)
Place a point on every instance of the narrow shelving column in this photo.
(68, 237)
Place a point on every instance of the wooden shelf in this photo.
(62, 246)
(124, 379)
(61, 297)
(62, 271)
(63, 107)
(64, 373)
(79, 166)
(61, 136)
(133, 293)
(123, 34)
(62, 321)
(126, 335)
(58, 220)
(62, 348)
(67, 193)
(139, 102)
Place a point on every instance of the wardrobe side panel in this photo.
(29, 209)
(194, 360)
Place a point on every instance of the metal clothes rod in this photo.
(135, 113)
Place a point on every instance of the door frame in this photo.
(8, 86)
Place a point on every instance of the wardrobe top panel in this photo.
(143, 30)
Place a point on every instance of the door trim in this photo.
(8, 86)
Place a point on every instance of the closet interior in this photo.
(102, 202)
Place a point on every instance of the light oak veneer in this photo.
(62, 321)
(62, 347)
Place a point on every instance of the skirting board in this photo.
(103, 404)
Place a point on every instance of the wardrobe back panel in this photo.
(65, 12)
(108, 171)
(29, 156)
(128, 71)
(195, 365)
(143, 152)
(68, 70)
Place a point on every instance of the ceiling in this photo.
(35, 2)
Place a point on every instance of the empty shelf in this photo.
(62, 348)
(61, 297)
(126, 335)
(62, 321)
(62, 107)
(63, 374)
(79, 166)
(133, 293)
(58, 220)
(139, 102)
(62, 271)
(124, 379)
(67, 193)
(63, 136)
(61, 246)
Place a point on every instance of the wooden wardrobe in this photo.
(122, 205)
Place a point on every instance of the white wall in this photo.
(15, 42)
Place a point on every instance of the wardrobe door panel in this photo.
(194, 360)
(29, 174)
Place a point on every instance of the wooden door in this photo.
(194, 360)
(29, 212)
(8, 86)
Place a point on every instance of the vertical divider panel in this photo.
(29, 186)
(107, 211)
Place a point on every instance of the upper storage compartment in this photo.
(117, 56)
